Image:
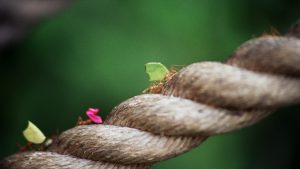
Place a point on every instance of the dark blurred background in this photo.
(92, 54)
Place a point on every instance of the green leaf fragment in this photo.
(33, 134)
(156, 71)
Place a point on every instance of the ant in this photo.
(80, 121)
(273, 32)
(30, 146)
(27, 147)
(157, 87)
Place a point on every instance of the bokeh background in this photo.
(92, 54)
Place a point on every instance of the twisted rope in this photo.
(201, 100)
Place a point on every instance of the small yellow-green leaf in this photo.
(156, 71)
(33, 134)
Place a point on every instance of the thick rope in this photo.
(201, 100)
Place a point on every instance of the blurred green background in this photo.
(93, 54)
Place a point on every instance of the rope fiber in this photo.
(201, 100)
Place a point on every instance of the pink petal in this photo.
(91, 113)
(93, 110)
(95, 118)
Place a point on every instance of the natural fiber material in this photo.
(201, 100)
(49, 160)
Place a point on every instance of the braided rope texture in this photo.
(201, 100)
